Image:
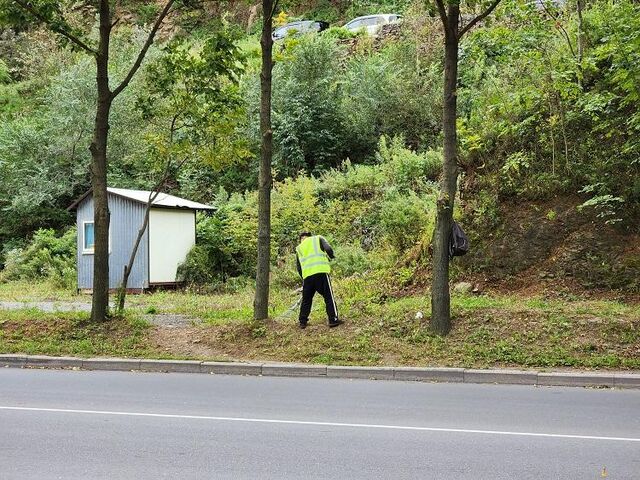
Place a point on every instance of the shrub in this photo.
(406, 169)
(47, 256)
(197, 267)
(340, 33)
(294, 209)
(352, 259)
(354, 182)
(404, 218)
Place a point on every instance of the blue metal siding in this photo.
(126, 219)
(85, 262)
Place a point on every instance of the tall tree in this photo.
(51, 13)
(261, 300)
(454, 30)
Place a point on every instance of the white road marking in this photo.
(322, 424)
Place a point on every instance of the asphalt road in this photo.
(121, 425)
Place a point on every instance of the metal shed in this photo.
(169, 236)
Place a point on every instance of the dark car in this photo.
(299, 28)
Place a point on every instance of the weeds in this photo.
(487, 330)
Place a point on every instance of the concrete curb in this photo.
(427, 374)
(371, 373)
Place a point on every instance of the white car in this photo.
(372, 23)
(298, 28)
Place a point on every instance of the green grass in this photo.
(32, 331)
(30, 291)
(498, 330)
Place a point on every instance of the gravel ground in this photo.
(48, 306)
(164, 319)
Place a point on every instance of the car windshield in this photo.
(281, 31)
(364, 22)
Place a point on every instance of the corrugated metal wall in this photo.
(126, 220)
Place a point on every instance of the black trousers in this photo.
(321, 283)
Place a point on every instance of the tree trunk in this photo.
(261, 300)
(98, 148)
(440, 297)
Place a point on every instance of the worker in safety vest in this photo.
(312, 255)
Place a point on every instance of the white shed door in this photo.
(172, 233)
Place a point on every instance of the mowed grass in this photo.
(32, 331)
(488, 331)
(31, 291)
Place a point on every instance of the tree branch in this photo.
(61, 31)
(559, 26)
(479, 18)
(144, 50)
(442, 11)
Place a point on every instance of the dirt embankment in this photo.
(551, 246)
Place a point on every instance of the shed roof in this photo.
(163, 200)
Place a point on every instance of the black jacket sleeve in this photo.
(298, 266)
(325, 247)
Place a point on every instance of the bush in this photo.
(406, 169)
(226, 242)
(354, 182)
(351, 260)
(340, 33)
(404, 218)
(294, 209)
(197, 267)
(47, 256)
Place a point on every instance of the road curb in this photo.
(433, 374)
(585, 379)
(371, 373)
(115, 364)
(428, 374)
(231, 368)
(293, 370)
(519, 377)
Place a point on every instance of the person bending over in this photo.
(312, 255)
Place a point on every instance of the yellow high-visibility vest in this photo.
(312, 259)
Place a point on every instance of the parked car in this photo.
(299, 28)
(372, 23)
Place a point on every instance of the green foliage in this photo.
(196, 269)
(354, 182)
(340, 33)
(387, 94)
(357, 150)
(46, 256)
(52, 13)
(606, 205)
(407, 169)
(403, 218)
(296, 207)
(225, 242)
(308, 129)
(147, 13)
(44, 154)
(369, 213)
(542, 121)
(5, 77)
(353, 260)
(192, 89)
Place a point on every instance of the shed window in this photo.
(88, 238)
